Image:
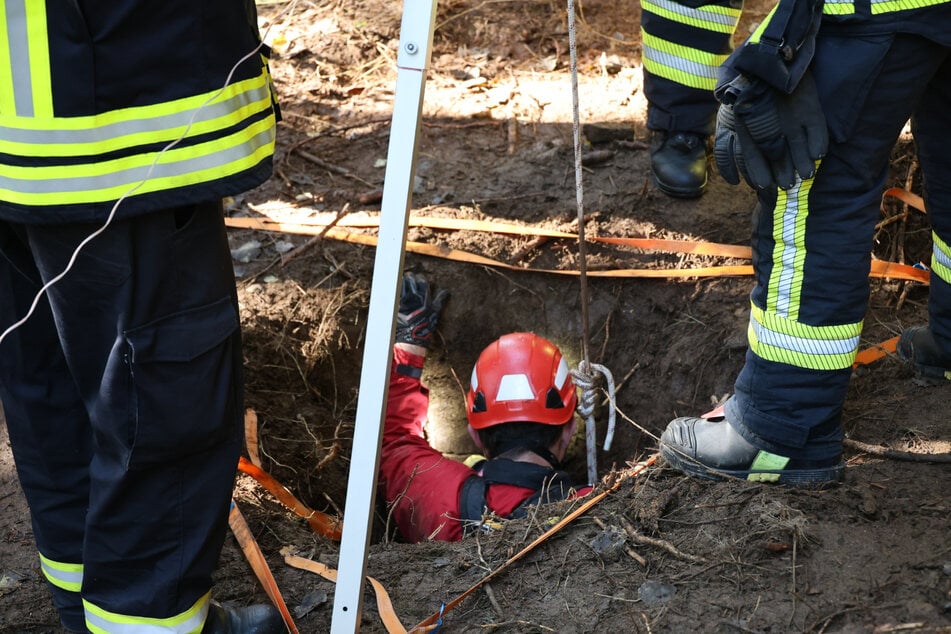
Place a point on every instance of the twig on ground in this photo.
(633, 555)
(658, 543)
(823, 622)
(317, 238)
(336, 169)
(507, 624)
(489, 592)
(895, 454)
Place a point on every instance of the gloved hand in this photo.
(419, 310)
(767, 136)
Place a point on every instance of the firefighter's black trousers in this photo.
(813, 243)
(123, 399)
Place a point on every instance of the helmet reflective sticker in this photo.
(561, 374)
(514, 387)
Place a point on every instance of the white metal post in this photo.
(416, 36)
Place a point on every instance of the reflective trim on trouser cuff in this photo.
(100, 621)
(684, 65)
(775, 338)
(62, 575)
(940, 258)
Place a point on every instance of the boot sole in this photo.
(676, 192)
(807, 478)
(925, 375)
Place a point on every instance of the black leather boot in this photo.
(917, 346)
(679, 163)
(712, 449)
(254, 619)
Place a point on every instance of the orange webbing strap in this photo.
(383, 604)
(876, 352)
(251, 436)
(314, 227)
(255, 557)
(588, 503)
(694, 247)
(461, 224)
(912, 200)
(321, 523)
(879, 268)
(464, 256)
(896, 271)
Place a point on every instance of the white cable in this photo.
(145, 179)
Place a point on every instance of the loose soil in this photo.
(660, 553)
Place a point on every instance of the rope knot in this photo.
(585, 379)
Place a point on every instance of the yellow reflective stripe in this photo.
(62, 575)
(131, 127)
(758, 31)
(940, 258)
(766, 461)
(888, 6)
(100, 621)
(109, 180)
(6, 65)
(39, 53)
(709, 18)
(776, 338)
(789, 252)
(878, 7)
(682, 64)
(838, 7)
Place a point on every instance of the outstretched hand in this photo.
(418, 312)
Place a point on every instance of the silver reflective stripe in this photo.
(788, 242)
(700, 13)
(697, 69)
(823, 347)
(127, 177)
(19, 57)
(62, 575)
(97, 132)
(939, 256)
(188, 622)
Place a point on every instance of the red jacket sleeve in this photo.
(419, 483)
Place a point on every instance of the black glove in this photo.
(767, 136)
(419, 311)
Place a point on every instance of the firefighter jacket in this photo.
(424, 487)
(127, 99)
(780, 50)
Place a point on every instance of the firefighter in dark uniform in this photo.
(683, 42)
(521, 412)
(813, 104)
(121, 384)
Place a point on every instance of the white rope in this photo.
(586, 380)
(584, 377)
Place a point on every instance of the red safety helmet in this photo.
(520, 377)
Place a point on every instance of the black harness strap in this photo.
(550, 486)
